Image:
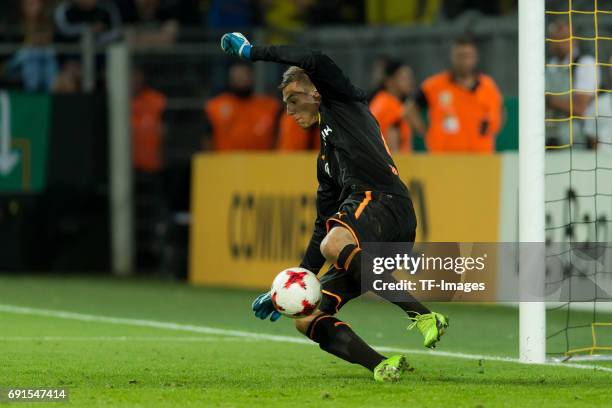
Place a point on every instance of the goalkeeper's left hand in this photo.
(263, 307)
(236, 44)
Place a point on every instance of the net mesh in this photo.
(579, 174)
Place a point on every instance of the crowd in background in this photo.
(38, 24)
(112, 15)
(464, 105)
(589, 105)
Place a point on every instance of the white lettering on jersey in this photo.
(325, 132)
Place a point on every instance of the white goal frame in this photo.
(532, 314)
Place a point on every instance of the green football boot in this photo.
(432, 325)
(391, 369)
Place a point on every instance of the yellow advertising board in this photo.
(253, 213)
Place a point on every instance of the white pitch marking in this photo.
(148, 323)
(261, 336)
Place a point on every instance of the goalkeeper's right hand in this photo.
(263, 307)
(236, 44)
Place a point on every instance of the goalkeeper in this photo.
(360, 198)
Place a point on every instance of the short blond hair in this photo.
(295, 74)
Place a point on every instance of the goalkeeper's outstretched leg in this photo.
(337, 338)
(340, 247)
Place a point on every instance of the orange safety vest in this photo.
(242, 123)
(292, 137)
(146, 118)
(461, 119)
(389, 111)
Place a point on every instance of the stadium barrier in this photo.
(259, 219)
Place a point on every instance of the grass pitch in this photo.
(150, 344)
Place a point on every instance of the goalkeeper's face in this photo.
(302, 103)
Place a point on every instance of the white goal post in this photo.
(532, 314)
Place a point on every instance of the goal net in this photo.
(578, 177)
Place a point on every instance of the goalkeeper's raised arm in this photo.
(325, 75)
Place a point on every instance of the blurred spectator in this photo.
(454, 8)
(74, 17)
(335, 12)
(387, 106)
(291, 137)
(151, 204)
(153, 25)
(239, 119)
(389, 12)
(599, 130)
(148, 106)
(282, 18)
(187, 12)
(36, 61)
(583, 76)
(232, 14)
(464, 105)
(377, 74)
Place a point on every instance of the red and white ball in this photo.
(296, 292)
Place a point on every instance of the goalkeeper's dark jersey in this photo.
(353, 156)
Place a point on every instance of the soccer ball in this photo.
(296, 292)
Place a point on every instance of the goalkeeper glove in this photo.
(236, 44)
(263, 307)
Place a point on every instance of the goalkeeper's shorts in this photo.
(370, 217)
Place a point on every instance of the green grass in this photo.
(114, 365)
